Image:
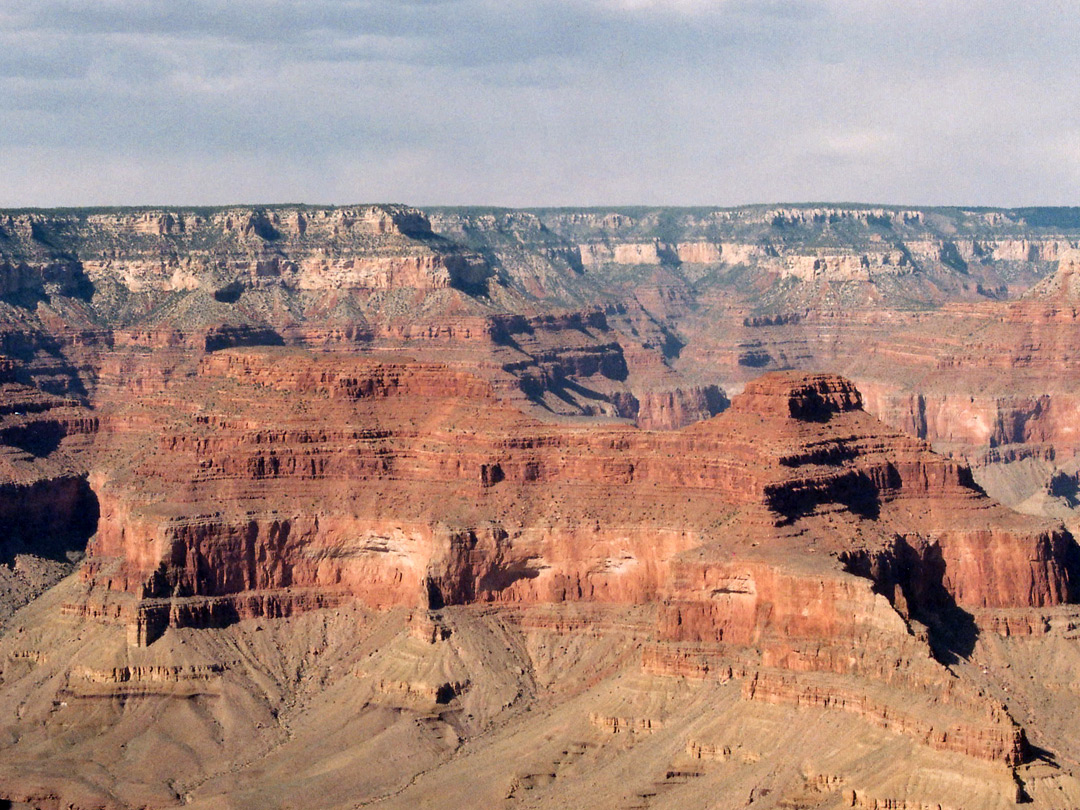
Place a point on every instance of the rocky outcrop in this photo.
(654, 252)
(515, 512)
(845, 267)
(673, 409)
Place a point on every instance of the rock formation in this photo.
(492, 507)
(505, 499)
(792, 543)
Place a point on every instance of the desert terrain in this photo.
(374, 506)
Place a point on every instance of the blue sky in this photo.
(553, 102)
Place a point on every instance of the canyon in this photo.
(634, 507)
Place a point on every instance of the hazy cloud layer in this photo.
(571, 102)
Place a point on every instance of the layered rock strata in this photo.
(276, 418)
(515, 494)
(792, 541)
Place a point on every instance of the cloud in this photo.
(546, 102)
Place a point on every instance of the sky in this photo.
(540, 103)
